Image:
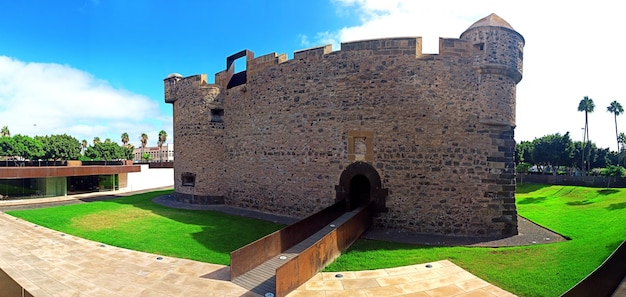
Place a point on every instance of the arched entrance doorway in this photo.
(360, 184)
(359, 192)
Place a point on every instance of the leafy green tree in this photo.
(127, 152)
(162, 139)
(27, 148)
(523, 152)
(60, 147)
(5, 132)
(577, 158)
(108, 151)
(586, 105)
(616, 109)
(552, 150)
(599, 157)
(105, 151)
(7, 144)
(96, 140)
(612, 171)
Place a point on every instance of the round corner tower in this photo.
(497, 53)
(198, 110)
(497, 50)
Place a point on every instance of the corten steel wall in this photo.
(252, 255)
(305, 265)
(437, 128)
(10, 288)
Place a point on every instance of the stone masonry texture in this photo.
(436, 128)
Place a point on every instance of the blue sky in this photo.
(96, 67)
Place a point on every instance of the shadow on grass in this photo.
(532, 200)
(616, 206)
(580, 203)
(607, 191)
(524, 188)
(219, 232)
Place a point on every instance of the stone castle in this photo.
(427, 138)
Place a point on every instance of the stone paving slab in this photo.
(441, 278)
(48, 263)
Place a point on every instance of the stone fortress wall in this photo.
(428, 138)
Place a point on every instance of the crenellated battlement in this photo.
(470, 45)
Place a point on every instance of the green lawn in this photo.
(134, 222)
(592, 217)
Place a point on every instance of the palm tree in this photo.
(586, 105)
(5, 132)
(162, 139)
(144, 142)
(125, 138)
(84, 145)
(96, 140)
(616, 109)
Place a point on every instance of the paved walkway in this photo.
(48, 263)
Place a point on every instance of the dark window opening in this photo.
(188, 179)
(479, 46)
(217, 115)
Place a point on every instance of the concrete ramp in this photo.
(285, 271)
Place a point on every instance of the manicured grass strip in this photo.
(593, 217)
(135, 222)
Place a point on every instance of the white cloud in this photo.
(573, 49)
(47, 98)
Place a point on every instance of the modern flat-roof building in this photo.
(74, 177)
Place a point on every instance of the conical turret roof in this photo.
(491, 20)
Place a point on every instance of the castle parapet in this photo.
(261, 63)
(453, 47)
(387, 46)
(313, 53)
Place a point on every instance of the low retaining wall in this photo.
(256, 253)
(305, 265)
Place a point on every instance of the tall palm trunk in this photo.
(616, 134)
(588, 143)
